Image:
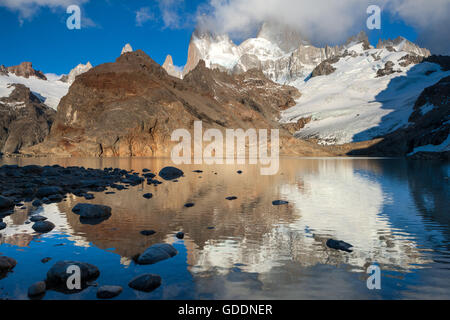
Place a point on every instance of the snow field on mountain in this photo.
(49, 91)
(352, 104)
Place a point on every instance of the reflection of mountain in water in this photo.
(368, 203)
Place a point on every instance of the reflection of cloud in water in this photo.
(335, 201)
(20, 234)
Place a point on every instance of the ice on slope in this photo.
(49, 91)
(352, 104)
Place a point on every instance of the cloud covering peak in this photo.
(328, 21)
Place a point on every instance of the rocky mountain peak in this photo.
(403, 44)
(79, 69)
(361, 37)
(171, 69)
(287, 38)
(127, 48)
(3, 70)
(25, 69)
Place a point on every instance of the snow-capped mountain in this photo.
(79, 69)
(350, 93)
(48, 89)
(371, 93)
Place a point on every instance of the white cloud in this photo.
(143, 15)
(173, 14)
(328, 21)
(28, 8)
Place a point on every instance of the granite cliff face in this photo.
(132, 106)
(171, 69)
(24, 120)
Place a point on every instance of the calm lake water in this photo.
(394, 212)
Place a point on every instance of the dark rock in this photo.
(180, 235)
(6, 203)
(48, 191)
(148, 232)
(37, 218)
(387, 70)
(6, 265)
(148, 196)
(92, 211)
(89, 196)
(57, 275)
(339, 245)
(231, 198)
(146, 283)
(189, 205)
(37, 289)
(279, 202)
(325, 68)
(108, 292)
(25, 126)
(55, 198)
(2, 225)
(240, 172)
(150, 175)
(197, 171)
(157, 253)
(170, 173)
(37, 203)
(43, 226)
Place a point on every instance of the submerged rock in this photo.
(45, 260)
(37, 289)
(180, 235)
(43, 226)
(157, 253)
(146, 282)
(6, 264)
(92, 211)
(339, 245)
(37, 218)
(148, 232)
(108, 292)
(170, 173)
(279, 202)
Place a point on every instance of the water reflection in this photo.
(394, 213)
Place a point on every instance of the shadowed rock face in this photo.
(24, 120)
(132, 106)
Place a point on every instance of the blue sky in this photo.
(43, 38)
